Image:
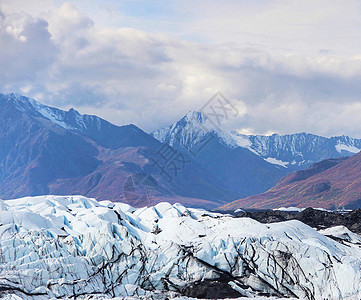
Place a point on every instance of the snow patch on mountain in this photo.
(342, 147)
(289, 209)
(276, 161)
(67, 246)
(51, 114)
(187, 132)
(242, 140)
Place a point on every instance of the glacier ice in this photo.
(66, 246)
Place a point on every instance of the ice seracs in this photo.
(66, 246)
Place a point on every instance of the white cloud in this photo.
(277, 71)
(303, 26)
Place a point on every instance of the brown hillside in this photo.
(332, 183)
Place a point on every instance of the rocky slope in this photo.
(330, 184)
(53, 246)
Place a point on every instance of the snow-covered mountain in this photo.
(300, 149)
(289, 151)
(99, 130)
(72, 246)
(45, 150)
(67, 119)
(189, 131)
(240, 170)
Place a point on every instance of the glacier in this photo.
(72, 246)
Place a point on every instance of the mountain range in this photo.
(49, 151)
(249, 164)
(291, 151)
(46, 150)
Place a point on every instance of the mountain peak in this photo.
(71, 119)
(15, 97)
(74, 111)
(195, 115)
(20, 102)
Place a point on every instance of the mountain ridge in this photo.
(40, 156)
(47, 150)
(291, 151)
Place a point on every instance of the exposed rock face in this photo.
(35, 151)
(68, 246)
(211, 289)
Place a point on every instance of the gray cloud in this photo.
(26, 49)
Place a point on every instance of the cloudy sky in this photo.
(288, 66)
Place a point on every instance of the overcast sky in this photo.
(288, 66)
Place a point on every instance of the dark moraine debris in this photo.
(210, 289)
(313, 217)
